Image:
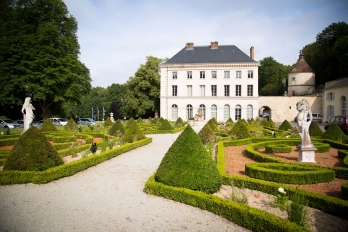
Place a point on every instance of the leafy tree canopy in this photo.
(328, 55)
(39, 55)
(143, 90)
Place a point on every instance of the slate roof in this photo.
(336, 83)
(204, 54)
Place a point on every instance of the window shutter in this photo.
(333, 96)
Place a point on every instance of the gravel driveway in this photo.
(107, 197)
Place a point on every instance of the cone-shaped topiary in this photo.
(229, 121)
(130, 121)
(165, 125)
(334, 133)
(213, 125)
(133, 133)
(32, 152)
(206, 134)
(154, 121)
(71, 125)
(117, 129)
(161, 120)
(187, 164)
(140, 120)
(285, 126)
(108, 122)
(314, 129)
(214, 121)
(48, 126)
(240, 130)
(179, 123)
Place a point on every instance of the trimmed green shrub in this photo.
(213, 125)
(165, 125)
(229, 121)
(314, 129)
(240, 131)
(71, 125)
(160, 120)
(155, 121)
(133, 133)
(334, 133)
(206, 134)
(188, 164)
(214, 121)
(108, 122)
(285, 126)
(278, 149)
(344, 191)
(179, 123)
(139, 120)
(32, 152)
(48, 126)
(117, 129)
(130, 121)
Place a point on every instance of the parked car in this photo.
(8, 123)
(20, 122)
(86, 121)
(39, 123)
(316, 117)
(59, 121)
(340, 120)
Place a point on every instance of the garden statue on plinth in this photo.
(306, 150)
(199, 116)
(112, 117)
(28, 115)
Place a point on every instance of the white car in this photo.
(59, 121)
(8, 123)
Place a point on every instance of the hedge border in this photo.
(21, 177)
(278, 149)
(344, 191)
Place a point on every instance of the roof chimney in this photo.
(189, 46)
(252, 52)
(214, 44)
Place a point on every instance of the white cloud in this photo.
(116, 36)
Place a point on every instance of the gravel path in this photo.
(106, 197)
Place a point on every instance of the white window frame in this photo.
(238, 74)
(226, 112)
(189, 111)
(202, 90)
(250, 74)
(189, 90)
(214, 111)
(174, 112)
(213, 90)
(250, 90)
(343, 104)
(227, 90)
(226, 74)
(238, 90)
(238, 112)
(189, 74)
(213, 74)
(175, 75)
(249, 112)
(174, 90)
(202, 107)
(202, 74)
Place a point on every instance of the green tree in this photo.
(143, 90)
(39, 55)
(328, 55)
(272, 77)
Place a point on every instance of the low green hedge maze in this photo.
(278, 149)
(289, 173)
(344, 191)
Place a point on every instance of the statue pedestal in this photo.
(306, 154)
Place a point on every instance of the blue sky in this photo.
(115, 36)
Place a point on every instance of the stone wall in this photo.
(284, 107)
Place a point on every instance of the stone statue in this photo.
(306, 148)
(199, 116)
(112, 117)
(28, 115)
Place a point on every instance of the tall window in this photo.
(238, 90)
(343, 105)
(189, 74)
(227, 74)
(250, 74)
(250, 90)
(174, 112)
(189, 90)
(330, 96)
(330, 111)
(202, 107)
(189, 113)
(202, 89)
(175, 75)
(213, 90)
(238, 112)
(213, 74)
(174, 90)
(249, 112)
(202, 74)
(238, 74)
(213, 111)
(226, 112)
(227, 90)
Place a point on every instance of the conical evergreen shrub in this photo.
(314, 129)
(139, 120)
(285, 126)
(133, 133)
(32, 152)
(165, 125)
(161, 120)
(108, 122)
(117, 129)
(334, 133)
(179, 123)
(214, 121)
(130, 121)
(48, 126)
(229, 121)
(240, 130)
(206, 134)
(212, 125)
(187, 164)
(71, 125)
